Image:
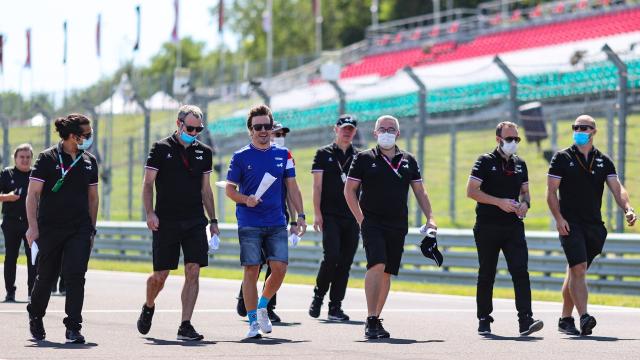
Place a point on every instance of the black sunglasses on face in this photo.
(86, 136)
(261, 127)
(279, 134)
(190, 128)
(512, 138)
(582, 127)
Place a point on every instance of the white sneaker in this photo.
(263, 320)
(254, 331)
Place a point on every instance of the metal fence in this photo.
(616, 271)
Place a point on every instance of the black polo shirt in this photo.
(581, 183)
(70, 205)
(12, 179)
(500, 178)
(384, 186)
(332, 162)
(179, 178)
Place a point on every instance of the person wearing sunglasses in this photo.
(499, 182)
(384, 175)
(332, 217)
(179, 166)
(261, 219)
(14, 182)
(62, 208)
(578, 174)
(278, 134)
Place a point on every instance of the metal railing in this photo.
(616, 271)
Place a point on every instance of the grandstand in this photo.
(554, 50)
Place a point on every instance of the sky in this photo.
(118, 34)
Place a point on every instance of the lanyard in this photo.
(394, 168)
(341, 166)
(64, 173)
(578, 155)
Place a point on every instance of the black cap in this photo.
(347, 120)
(429, 248)
(277, 126)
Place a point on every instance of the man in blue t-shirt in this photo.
(261, 221)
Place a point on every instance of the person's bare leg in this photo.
(275, 279)
(578, 287)
(372, 285)
(249, 287)
(155, 283)
(567, 302)
(190, 289)
(385, 285)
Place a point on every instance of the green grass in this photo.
(463, 290)
(436, 172)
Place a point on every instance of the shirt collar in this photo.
(335, 147)
(258, 149)
(575, 149)
(378, 151)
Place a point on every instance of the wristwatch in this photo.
(213, 221)
(94, 231)
(630, 209)
(293, 223)
(528, 203)
(302, 216)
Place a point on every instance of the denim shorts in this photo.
(270, 239)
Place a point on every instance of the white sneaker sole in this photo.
(263, 321)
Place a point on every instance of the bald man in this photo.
(578, 174)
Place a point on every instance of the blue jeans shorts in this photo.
(271, 239)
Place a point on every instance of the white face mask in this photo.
(509, 148)
(279, 141)
(386, 141)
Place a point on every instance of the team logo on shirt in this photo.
(57, 167)
(278, 158)
(199, 151)
(168, 156)
(493, 168)
(373, 165)
(330, 158)
(12, 182)
(88, 167)
(199, 157)
(280, 165)
(599, 160)
(406, 166)
(571, 164)
(601, 165)
(248, 167)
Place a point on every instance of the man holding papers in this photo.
(255, 181)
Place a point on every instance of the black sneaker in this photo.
(74, 337)
(587, 323)
(371, 328)
(382, 333)
(188, 333)
(144, 321)
(567, 326)
(529, 325)
(336, 313)
(11, 295)
(316, 305)
(484, 325)
(240, 308)
(273, 316)
(36, 327)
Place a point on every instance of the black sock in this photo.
(186, 322)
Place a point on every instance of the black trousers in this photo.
(14, 231)
(340, 237)
(67, 248)
(490, 239)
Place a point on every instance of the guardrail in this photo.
(616, 271)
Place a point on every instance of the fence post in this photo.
(257, 87)
(5, 140)
(452, 172)
(513, 88)
(610, 140)
(622, 122)
(130, 180)
(221, 192)
(342, 96)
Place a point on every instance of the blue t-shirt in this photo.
(247, 168)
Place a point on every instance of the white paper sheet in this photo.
(34, 252)
(294, 240)
(214, 243)
(221, 184)
(267, 181)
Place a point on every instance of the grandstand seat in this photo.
(455, 26)
(536, 12)
(435, 31)
(398, 38)
(516, 16)
(416, 34)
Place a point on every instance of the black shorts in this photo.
(383, 245)
(171, 235)
(584, 242)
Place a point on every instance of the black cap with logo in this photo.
(347, 120)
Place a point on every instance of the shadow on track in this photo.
(154, 341)
(511, 338)
(55, 345)
(395, 341)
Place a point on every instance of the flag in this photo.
(137, 45)
(174, 33)
(27, 62)
(1, 44)
(221, 16)
(64, 53)
(98, 25)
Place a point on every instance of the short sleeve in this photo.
(290, 169)
(479, 169)
(234, 174)
(93, 177)
(356, 172)
(208, 163)
(155, 157)
(557, 167)
(319, 162)
(40, 168)
(525, 174)
(609, 167)
(415, 170)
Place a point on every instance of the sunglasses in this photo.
(509, 139)
(279, 134)
(190, 128)
(261, 127)
(86, 136)
(582, 127)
